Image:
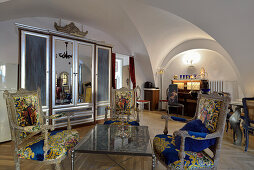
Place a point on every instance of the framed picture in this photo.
(172, 94)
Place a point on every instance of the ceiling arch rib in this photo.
(227, 22)
(146, 28)
(202, 44)
(160, 30)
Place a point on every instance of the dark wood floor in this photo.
(232, 157)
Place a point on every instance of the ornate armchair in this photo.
(123, 107)
(30, 132)
(186, 148)
(248, 120)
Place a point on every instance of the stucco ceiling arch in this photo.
(149, 29)
(202, 44)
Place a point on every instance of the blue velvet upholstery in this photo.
(198, 130)
(165, 149)
(59, 143)
(178, 119)
(118, 122)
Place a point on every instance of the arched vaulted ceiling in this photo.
(151, 29)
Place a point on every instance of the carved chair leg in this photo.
(16, 159)
(17, 162)
(46, 146)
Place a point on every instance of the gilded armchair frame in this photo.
(218, 134)
(134, 111)
(33, 130)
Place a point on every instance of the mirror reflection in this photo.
(63, 71)
(85, 73)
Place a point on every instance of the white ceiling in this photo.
(151, 29)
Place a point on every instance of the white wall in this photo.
(215, 65)
(9, 36)
(9, 40)
(230, 23)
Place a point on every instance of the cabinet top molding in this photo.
(70, 29)
(58, 33)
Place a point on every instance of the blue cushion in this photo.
(118, 122)
(196, 129)
(178, 119)
(165, 148)
(59, 142)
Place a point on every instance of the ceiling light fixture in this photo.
(191, 57)
(65, 54)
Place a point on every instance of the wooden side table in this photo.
(152, 95)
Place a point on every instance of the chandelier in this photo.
(65, 54)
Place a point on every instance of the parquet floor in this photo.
(232, 157)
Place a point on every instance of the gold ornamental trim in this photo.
(71, 29)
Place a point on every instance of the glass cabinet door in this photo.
(84, 68)
(35, 64)
(63, 71)
(103, 74)
(103, 85)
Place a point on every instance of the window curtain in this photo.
(132, 71)
(113, 58)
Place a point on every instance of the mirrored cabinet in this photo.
(63, 69)
(73, 74)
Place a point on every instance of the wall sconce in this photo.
(191, 57)
(161, 71)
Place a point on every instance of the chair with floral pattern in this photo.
(123, 108)
(34, 139)
(187, 148)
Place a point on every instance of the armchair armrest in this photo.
(36, 128)
(59, 115)
(33, 129)
(167, 118)
(196, 135)
(178, 119)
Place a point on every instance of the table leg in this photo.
(153, 161)
(183, 110)
(72, 159)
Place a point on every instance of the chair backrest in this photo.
(211, 110)
(248, 106)
(24, 109)
(123, 101)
